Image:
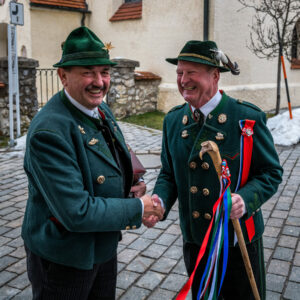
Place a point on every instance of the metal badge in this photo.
(184, 134)
(185, 120)
(222, 118)
(93, 141)
(81, 129)
(220, 136)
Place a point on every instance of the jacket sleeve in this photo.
(265, 171)
(55, 173)
(165, 186)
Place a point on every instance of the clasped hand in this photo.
(153, 211)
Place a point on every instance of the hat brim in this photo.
(98, 61)
(174, 61)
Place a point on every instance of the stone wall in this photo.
(132, 93)
(27, 93)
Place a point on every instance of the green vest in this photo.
(73, 178)
(195, 182)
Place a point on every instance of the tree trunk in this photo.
(278, 85)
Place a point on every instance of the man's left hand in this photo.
(238, 206)
(139, 189)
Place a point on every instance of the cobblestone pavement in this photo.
(150, 263)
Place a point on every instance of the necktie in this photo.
(199, 116)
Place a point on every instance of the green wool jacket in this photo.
(77, 201)
(195, 182)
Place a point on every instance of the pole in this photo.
(286, 86)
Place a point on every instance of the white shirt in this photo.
(210, 105)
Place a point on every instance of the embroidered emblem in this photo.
(222, 118)
(220, 136)
(210, 116)
(81, 129)
(247, 131)
(93, 141)
(185, 119)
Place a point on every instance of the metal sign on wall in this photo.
(16, 11)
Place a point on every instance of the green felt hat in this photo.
(202, 52)
(83, 48)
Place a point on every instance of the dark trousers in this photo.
(51, 281)
(236, 285)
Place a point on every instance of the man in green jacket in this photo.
(80, 175)
(209, 114)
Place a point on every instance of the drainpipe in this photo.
(205, 19)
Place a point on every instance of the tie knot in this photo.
(198, 115)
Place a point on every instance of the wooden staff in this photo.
(212, 149)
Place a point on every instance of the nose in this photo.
(184, 78)
(98, 80)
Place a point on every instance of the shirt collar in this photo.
(210, 105)
(90, 112)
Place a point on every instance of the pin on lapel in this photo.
(220, 136)
(81, 129)
(93, 141)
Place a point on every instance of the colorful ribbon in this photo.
(209, 287)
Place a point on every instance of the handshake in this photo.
(153, 211)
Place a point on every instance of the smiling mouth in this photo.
(95, 90)
(189, 88)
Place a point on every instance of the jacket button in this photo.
(134, 227)
(207, 216)
(100, 179)
(127, 227)
(195, 214)
(205, 166)
(193, 165)
(194, 189)
(205, 192)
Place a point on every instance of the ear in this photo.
(63, 76)
(216, 75)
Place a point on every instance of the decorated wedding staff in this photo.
(247, 150)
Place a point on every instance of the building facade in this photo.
(149, 31)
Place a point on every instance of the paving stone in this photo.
(174, 252)
(281, 214)
(120, 266)
(20, 282)
(272, 296)
(6, 261)
(4, 250)
(282, 206)
(135, 293)
(24, 295)
(173, 229)
(15, 223)
(287, 241)
(163, 225)
(19, 253)
(291, 230)
(4, 229)
(4, 240)
(284, 253)
(275, 283)
(294, 221)
(164, 265)
(180, 268)
(294, 212)
(279, 267)
(162, 294)
(296, 261)
(119, 293)
(267, 254)
(128, 238)
(6, 276)
(295, 274)
(166, 239)
(13, 233)
(126, 278)
(19, 267)
(271, 231)
(17, 242)
(174, 282)
(140, 244)
(150, 280)
(155, 251)
(152, 234)
(275, 222)
(292, 291)
(127, 255)
(269, 242)
(140, 264)
(7, 292)
(179, 242)
(120, 248)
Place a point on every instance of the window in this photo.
(296, 47)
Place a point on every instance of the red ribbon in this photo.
(247, 132)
